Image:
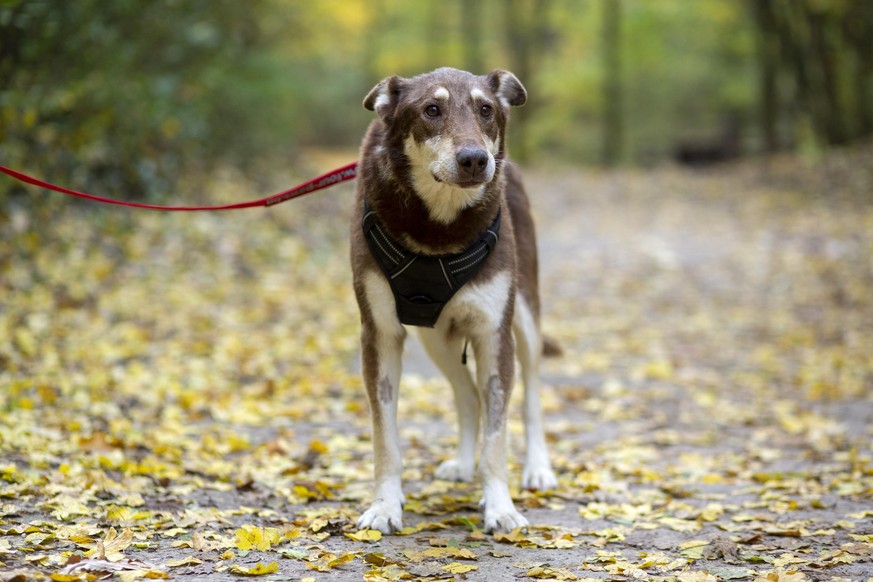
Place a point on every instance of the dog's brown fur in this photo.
(436, 182)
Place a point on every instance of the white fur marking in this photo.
(492, 146)
(434, 160)
(482, 303)
(382, 100)
(442, 94)
(477, 94)
(381, 302)
(538, 472)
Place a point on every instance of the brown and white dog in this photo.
(433, 172)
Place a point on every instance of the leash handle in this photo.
(342, 174)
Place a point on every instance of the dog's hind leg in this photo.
(538, 472)
(382, 345)
(446, 354)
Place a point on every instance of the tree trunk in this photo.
(768, 70)
(825, 58)
(612, 93)
(470, 14)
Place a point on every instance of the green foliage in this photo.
(128, 93)
(126, 96)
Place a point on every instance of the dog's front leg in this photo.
(445, 353)
(495, 365)
(381, 352)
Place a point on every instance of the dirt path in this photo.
(179, 394)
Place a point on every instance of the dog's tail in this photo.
(551, 347)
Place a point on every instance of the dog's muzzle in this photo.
(473, 166)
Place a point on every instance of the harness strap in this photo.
(423, 284)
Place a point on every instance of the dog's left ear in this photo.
(507, 87)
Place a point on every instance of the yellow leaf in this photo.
(788, 558)
(512, 537)
(459, 568)
(782, 576)
(390, 573)
(259, 569)
(317, 446)
(340, 560)
(551, 573)
(112, 546)
(250, 537)
(329, 561)
(365, 535)
(658, 370)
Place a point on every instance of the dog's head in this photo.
(448, 126)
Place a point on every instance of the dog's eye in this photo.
(486, 111)
(432, 111)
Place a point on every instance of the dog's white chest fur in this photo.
(480, 304)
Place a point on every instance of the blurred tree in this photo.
(612, 94)
(125, 96)
(126, 93)
(816, 46)
(470, 14)
(768, 58)
(527, 32)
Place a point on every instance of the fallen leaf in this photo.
(459, 568)
(250, 537)
(259, 569)
(110, 548)
(549, 573)
(365, 535)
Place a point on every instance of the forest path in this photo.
(178, 394)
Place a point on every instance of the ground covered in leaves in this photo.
(179, 396)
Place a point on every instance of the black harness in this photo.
(423, 284)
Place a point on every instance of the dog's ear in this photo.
(507, 87)
(383, 97)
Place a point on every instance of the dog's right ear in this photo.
(383, 97)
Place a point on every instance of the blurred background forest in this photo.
(128, 96)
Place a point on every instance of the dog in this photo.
(436, 197)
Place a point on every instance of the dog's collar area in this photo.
(423, 284)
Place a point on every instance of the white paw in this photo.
(539, 478)
(504, 520)
(453, 470)
(385, 516)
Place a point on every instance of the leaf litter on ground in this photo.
(180, 395)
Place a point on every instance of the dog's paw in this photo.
(385, 516)
(539, 478)
(454, 470)
(503, 520)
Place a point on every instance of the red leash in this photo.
(343, 174)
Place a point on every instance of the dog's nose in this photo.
(472, 160)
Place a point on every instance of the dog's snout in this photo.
(472, 160)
